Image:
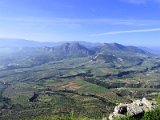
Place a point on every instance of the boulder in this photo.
(121, 109)
(135, 109)
(138, 102)
(148, 104)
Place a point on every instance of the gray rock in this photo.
(136, 108)
(138, 102)
(148, 104)
(121, 109)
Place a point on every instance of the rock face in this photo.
(135, 109)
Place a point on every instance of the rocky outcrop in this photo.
(135, 109)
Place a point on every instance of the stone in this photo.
(148, 104)
(138, 102)
(135, 109)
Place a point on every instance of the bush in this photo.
(154, 114)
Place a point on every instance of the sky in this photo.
(129, 22)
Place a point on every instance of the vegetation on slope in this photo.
(37, 82)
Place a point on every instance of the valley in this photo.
(89, 81)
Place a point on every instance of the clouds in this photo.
(81, 26)
(140, 1)
(82, 21)
(128, 31)
(77, 22)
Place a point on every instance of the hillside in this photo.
(59, 80)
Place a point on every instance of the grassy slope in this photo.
(25, 81)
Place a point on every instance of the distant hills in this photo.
(4, 42)
(43, 52)
(20, 43)
(115, 47)
(70, 50)
(76, 48)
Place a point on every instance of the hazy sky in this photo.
(134, 22)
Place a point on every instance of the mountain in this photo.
(39, 53)
(70, 50)
(89, 47)
(89, 44)
(115, 47)
(75, 49)
(12, 43)
(117, 54)
(113, 54)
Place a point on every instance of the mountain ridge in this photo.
(8, 42)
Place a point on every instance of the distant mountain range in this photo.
(12, 43)
(29, 43)
(42, 52)
(75, 49)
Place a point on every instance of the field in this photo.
(83, 85)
